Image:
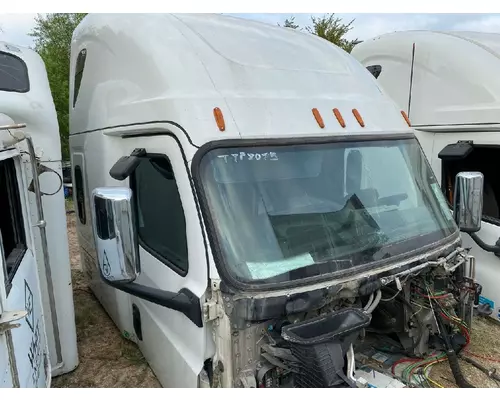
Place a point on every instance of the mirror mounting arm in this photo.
(486, 247)
(184, 301)
(126, 165)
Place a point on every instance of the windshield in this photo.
(291, 212)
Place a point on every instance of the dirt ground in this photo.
(108, 360)
(485, 342)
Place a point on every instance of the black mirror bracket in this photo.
(486, 247)
(126, 165)
(184, 301)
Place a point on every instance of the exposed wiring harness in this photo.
(465, 331)
(417, 371)
(452, 356)
(369, 302)
(443, 314)
(426, 371)
(371, 306)
(490, 372)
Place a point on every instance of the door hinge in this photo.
(8, 317)
(211, 311)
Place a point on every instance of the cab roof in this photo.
(265, 79)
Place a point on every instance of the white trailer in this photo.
(37, 321)
(246, 196)
(448, 84)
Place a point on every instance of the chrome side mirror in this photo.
(468, 201)
(115, 234)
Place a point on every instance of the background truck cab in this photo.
(37, 323)
(448, 84)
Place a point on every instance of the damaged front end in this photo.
(330, 336)
(334, 255)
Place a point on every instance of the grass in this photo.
(70, 206)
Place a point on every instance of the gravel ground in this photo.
(485, 342)
(107, 360)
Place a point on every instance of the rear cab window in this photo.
(13, 74)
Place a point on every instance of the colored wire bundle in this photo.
(421, 366)
(418, 369)
(427, 371)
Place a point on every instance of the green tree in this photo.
(290, 23)
(332, 29)
(52, 40)
(328, 27)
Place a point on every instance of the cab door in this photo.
(173, 258)
(23, 343)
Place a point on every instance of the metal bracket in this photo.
(13, 126)
(247, 379)
(211, 311)
(8, 317)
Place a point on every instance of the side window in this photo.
(80, 66)
(161, 224)
(11, 220)
(80, 195)
(482, 159)
(13, 74)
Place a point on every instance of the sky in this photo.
(15, 27)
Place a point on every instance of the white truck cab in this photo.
(248, 200)
(448, 84)
(37, 322)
